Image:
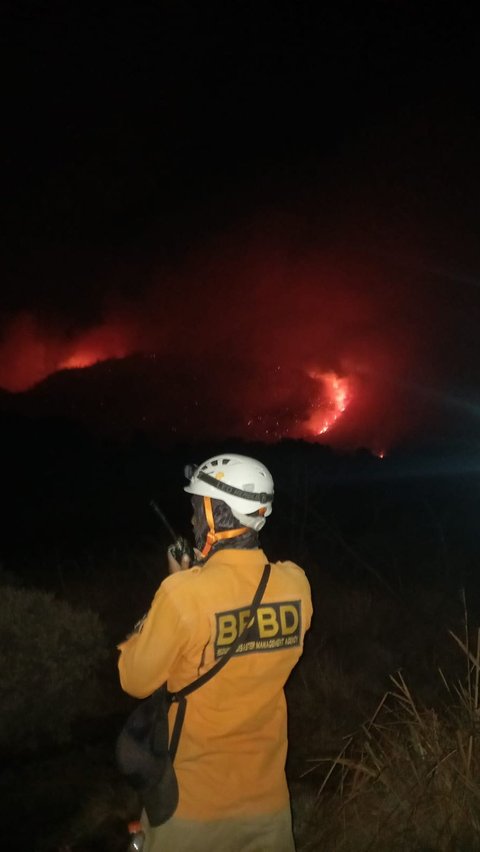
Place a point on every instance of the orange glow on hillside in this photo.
(309, 356)
(79, 360)
(29, 354)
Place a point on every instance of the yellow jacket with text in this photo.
(230, 761)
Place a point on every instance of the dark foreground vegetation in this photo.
(384, 706)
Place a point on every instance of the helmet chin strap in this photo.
(212, 536)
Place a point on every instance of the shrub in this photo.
(50, 654)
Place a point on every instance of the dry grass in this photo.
(409, 779)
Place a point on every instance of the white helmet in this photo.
(242, 483)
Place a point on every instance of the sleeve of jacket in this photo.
(148, 657)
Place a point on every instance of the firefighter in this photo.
(230, 762)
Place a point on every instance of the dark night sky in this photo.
(279, 186)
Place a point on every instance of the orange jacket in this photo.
(231, 757)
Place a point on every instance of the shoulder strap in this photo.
(180, 696)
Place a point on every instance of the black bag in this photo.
(143, 752)
(143, 756)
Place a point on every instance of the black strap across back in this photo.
(180, 696)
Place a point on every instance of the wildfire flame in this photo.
(334, 397)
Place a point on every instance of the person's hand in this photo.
(174, 565)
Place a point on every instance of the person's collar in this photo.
(237, 556)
